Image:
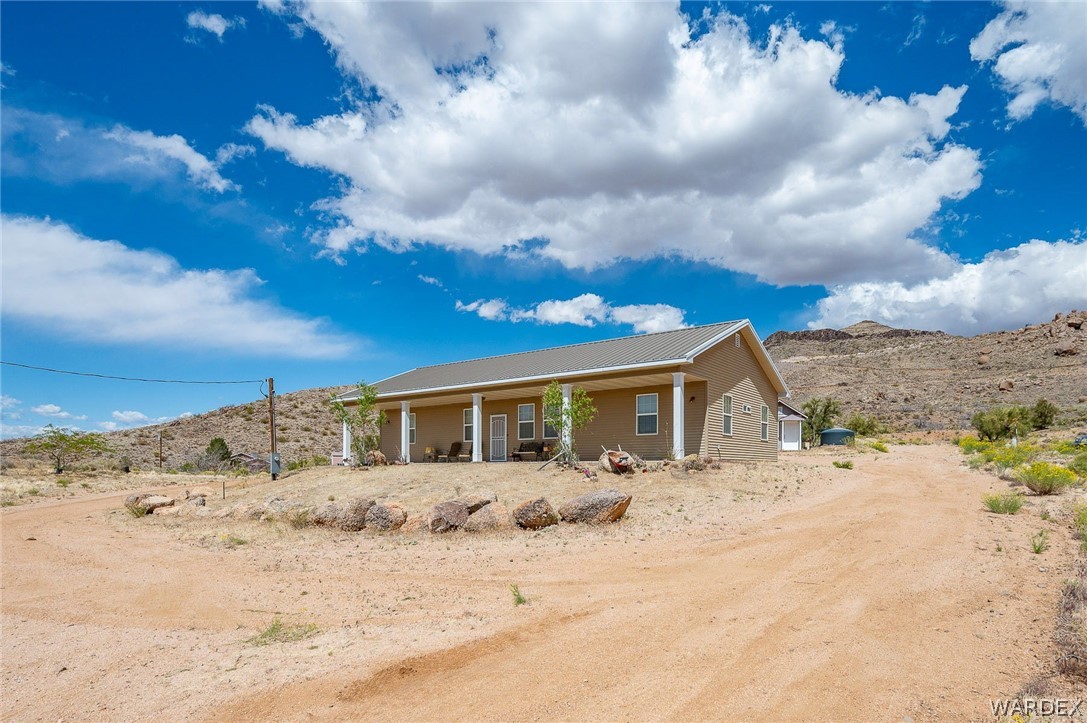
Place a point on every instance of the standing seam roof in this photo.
(641, 349)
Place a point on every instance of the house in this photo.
(703, 389)
(790, 421)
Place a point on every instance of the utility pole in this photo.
(273, 466)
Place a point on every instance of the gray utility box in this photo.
(275, 463)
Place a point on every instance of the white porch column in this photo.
(405, 431)
(346, 442)
(679, 402)
(477, 427)
(567, 433)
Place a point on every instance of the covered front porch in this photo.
(653, 414)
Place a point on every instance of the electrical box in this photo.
(275, 463)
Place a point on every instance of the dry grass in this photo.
(1071, 633)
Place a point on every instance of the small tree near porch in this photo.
(363, 418)
(577, 416)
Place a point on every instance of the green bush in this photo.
(879, 446)
(1005, 504)
(971, 445)
(1043, 413)
(848, 464)
(1043, 478)
(865, 425)
(1039, 542)
(1064, 447)
(218, 450)
(1079, 464)
(1005, 458)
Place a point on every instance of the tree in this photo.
(822, 412)
(1043, 414)
(577, 415)
(363, 418)
(63, 446)
(218, 450)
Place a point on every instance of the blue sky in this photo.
(328, 192)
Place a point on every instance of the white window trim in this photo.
(764, 424)
(655, 415)
(726, 413)
(411, 428)
(467, 425)
(526, 421)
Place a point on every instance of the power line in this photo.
(128, 379)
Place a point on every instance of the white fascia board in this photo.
(534, 378)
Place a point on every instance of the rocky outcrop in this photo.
(489, 518)
(385, 517)
(447, 516)
(780, 337)
(477, 501)
(598, 507)
(353, 517)
(145, 503)
(326, 515)
(1068, 348)
(535, 514)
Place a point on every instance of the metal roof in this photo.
(630, 352)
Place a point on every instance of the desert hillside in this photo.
(932, 380)
(910, 379)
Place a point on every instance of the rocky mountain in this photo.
(932, 380)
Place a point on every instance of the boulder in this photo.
(197, 501)
(447, 516)
(1066, 349)
(983, 359)
(1007, 385)
(385, 517)
(326, 515)
(1075, 322)
(133, 500)
(477, 501)
(596, 507)
(353, 517)
(1082, 400)
(244, 511)
(535, 514)
(493, 517)
(155, 502)
(415, 523)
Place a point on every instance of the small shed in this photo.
(252, 462)
(836, 436)
(790, 420)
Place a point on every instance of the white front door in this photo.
(498, 437)
(790, 441)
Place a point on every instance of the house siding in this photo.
(735, 371)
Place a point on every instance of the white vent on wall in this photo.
(747, 409)
(737, 338)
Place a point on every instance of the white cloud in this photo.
(1006, 288)
(66, 150)
(583, 310)
(431, 280)
(19, 431)
(593, 132)
(55, 412)
(213, 23)
(1039, 54)
(66, 283)
(7, 402)
(130, 417)
(231, 151)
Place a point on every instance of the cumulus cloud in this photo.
(1038, 51)
(66, 283)
(1018, 286)
(232, 151)
(213, 23)
(130, 417)
(56, 412)
(65, 150)
(588, 133)
(583, 310)
(431, 280)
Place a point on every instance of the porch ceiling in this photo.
(535, 390)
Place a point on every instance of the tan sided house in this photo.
(711, 390)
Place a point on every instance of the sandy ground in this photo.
(779, 591)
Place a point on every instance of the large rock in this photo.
(147, 503)
(353, 518)
(596, 507)
(447, 516)
(1075, 322)
(534, 514)
(477, 501)
(983, 359)
(326, 515)
(1007, 385)
(133, 501)
(1067, 349)
(385, 517)
(415, 523)
(492, 517)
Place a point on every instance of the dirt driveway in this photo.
(872, 594)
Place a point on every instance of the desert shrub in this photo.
(821, 413)
(865, 425)
(1002, 422)
(847, 464)
(1071, 632)
(62, 482)
(1043, 478)
(218, 449)
(1043, 413)
(1063, 447)
(297, 517)
(189, 467)
(1079, 521)
(1039, 542)
(879, 446)
(1005, 458)
(136, 509)
(970, 445)
(1005, 504)
(1079, 464)
(518, 596)
(279, 632)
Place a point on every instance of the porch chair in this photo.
(454, 450)
(465, 455)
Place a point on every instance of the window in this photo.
(411, 428)
(526, 421)
(468, 425)
(647, 414)
(549, 431)
(726, 427)
(764, 427)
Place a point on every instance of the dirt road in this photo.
(877, 595)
